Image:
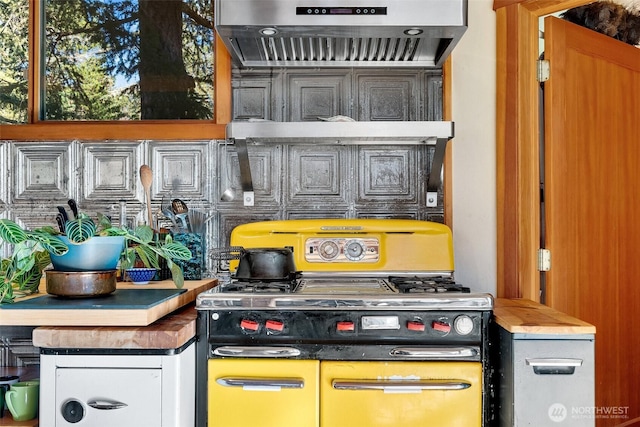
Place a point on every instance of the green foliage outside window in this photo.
(115, 59)
(14, 60)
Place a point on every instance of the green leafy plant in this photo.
(20, 274)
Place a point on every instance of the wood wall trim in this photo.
(116, 131)
(222, 83)
(517, 145)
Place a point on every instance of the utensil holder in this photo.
(192, 269)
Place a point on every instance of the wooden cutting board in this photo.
(75, 312)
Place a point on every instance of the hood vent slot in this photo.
(281, 50)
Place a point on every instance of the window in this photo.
(99, 61)
(14, 60)
(128, 59)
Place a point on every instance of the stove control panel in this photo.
(342, 250)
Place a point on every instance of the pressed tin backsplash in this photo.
(290, 180)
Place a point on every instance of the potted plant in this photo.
(33, 250)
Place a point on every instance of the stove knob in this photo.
(274, 326)
(415, 325)
(441, 326)
(249, 325)
(463, 324)
(345, 326)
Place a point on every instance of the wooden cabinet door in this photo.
(592, 201)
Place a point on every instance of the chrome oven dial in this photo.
(329, 250)
(354, 250)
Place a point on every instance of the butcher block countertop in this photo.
(101, 311)
(170, 332)
(529, 317)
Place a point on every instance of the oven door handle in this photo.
(409, 386)
(434, 352)
(272, 384)
(263, 351)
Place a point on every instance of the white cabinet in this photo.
(108, 397)
(118, 389)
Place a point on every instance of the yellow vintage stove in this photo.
(371, 331)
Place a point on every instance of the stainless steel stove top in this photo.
(339, 293)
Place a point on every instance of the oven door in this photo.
(407, 394)
(263, 392)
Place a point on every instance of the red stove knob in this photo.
(249, 325)
(415, 325)
(441, 326)
(275, 325)
(345, 326)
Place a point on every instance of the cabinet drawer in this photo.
(135, 395)
(553, 382)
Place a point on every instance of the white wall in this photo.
(474, 159)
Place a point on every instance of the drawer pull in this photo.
(261, 383)
(411, 386)
(553, 366)
(103, 404)
(557, 362)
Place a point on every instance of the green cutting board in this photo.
(124, 299)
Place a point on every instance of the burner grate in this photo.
(436, 284)
(258, 287)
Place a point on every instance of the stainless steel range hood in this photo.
(340, 33)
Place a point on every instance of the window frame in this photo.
(36, 129)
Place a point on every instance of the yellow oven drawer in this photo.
(265, 393)
(407, 394)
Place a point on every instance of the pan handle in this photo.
(226, 254)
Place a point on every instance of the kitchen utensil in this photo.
(146, 177)
(63, 212)
(80, 283)
(60, 221)
(181, 211)
(74, 207)
(167, 211)
(198, 220)
(266, 264)
(228, 194)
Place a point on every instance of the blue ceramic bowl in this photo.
(96, 254)
(141, 276)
